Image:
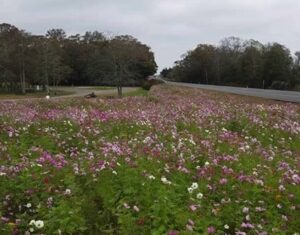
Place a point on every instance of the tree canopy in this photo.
(238, 63)
(57, 59)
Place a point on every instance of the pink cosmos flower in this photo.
(193, 207)
(211, 230)
(247, 225)
(223, 181)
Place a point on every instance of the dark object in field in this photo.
(91, 95)
(151, 82)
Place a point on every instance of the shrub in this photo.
(149, 83)
(280, 85)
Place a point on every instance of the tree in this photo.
(58, 35)
(240, 63)
(198, 65)
(56, 67)
(252, 64)
(230, 52)
(277, 66)
(296, 69)
(89, 59)
(165, 72)
(130, 60)
(12, 60)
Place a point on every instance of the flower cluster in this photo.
(180, 161)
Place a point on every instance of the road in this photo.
(290, 96)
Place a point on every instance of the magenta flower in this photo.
(247, 225)
(193, 207)
(223, 181)
(211, 230)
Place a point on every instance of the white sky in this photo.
(169, 27)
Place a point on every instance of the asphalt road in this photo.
(290, 96)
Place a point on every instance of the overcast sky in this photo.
(169, 27)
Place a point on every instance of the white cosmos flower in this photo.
(199, 195)
(39, 224)
(165, 181)
(68, 191)
(32, 222)
(190, 190)
(47, 97)
(151, 177)
(207, 163)
(28, 205)
(194, 185)
(226, 226)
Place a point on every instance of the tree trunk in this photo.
(120, 83)
(23, 84)
(119, 91)
(23, 88)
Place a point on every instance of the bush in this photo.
(280, 85)
(149, 83)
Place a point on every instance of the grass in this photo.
(102, 88)
(55, 93)
(139, 92)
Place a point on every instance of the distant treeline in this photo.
(238, 63)
(55, 59)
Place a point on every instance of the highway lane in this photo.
(290, 96)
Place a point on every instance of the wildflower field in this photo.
(178, 161)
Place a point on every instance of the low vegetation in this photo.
(178, 161)
(36, 94)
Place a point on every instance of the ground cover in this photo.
(102, 88)
(40, 94)
(176, 161)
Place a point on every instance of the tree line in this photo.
(53, 59)
(237, 62)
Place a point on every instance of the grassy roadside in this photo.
(4, 96)
(102, 88)
(139, 92)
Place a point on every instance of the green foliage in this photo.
(149, 83)
(138, 92)
(55, 59)
(238, 63)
